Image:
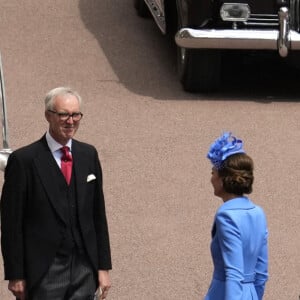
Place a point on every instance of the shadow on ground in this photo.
(145, 61)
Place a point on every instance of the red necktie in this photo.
(66, 163)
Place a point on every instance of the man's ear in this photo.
(47, 115)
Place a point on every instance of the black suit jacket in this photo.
(32, 218)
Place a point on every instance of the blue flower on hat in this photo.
(224, 146)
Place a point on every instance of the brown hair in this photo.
(237, 174)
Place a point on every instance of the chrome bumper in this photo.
(282, 40)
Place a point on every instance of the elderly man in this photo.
(54, 233)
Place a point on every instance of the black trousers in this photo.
(70, 277)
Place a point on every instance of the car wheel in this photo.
(141, 8)
(199, 70)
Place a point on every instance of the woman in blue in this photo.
(239, 244)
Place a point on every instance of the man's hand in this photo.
(104, 283)
(17, 287)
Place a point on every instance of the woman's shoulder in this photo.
(233, 210)
(238, 203)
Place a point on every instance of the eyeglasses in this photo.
(63, 116)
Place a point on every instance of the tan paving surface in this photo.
(153, 138)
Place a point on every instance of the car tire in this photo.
(141, 8)
(199, 70)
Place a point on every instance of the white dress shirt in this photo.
(55, 147)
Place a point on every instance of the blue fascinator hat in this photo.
(223, 147)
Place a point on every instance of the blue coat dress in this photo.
(239, 251)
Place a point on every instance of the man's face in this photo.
(63, 130)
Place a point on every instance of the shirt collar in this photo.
(54, 145)
(237, 203)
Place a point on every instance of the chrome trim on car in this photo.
(262, 20)
(282, 40)
(157, 10)
(295, 14)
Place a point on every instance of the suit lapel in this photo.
(80, 162)
(50, 176)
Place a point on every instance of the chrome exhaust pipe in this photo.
(6, 151)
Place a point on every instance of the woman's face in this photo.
(216, 182)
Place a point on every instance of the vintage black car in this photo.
(205, 29)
